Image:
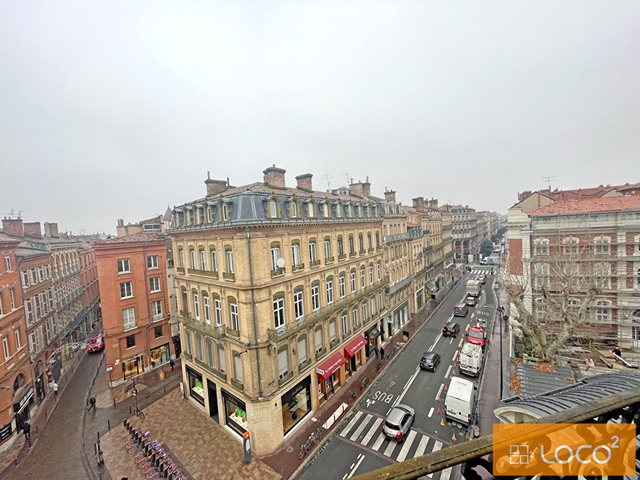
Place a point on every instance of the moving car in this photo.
(451, 329)
(460, 310)
(477, 336)
(397, 424)
(471, 300)
(96, 344)
(482, 278)
(429, 361)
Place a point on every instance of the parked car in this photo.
(396, 425)
(451, 329)
(460, 310)
(96, 344)
(430, 361)
(482, 278)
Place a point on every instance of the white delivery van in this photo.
(460, 400)
(470, 359)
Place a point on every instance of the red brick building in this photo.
(90, 289)
(16, 388)
(132, 273)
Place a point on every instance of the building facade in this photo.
(464, 231)
(132, 274)
(91, 313)
(16, 387)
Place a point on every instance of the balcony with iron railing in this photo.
(396, 237)
(400, 285)
(202, 327)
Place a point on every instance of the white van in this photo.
(460, 401)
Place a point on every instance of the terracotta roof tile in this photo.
(604, 204)
(134, 238)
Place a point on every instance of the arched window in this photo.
(602, 311)
(294, 208)
(325, 209)
(278, 311)
(602, 245)
(311, 209)
(541, 246)
(272, 208)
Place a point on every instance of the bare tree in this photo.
(554, 299)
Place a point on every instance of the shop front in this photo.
(160, 355)
(213, 400)
(400, 316)
(195, 388)
(354, 351)
(21, 407)
(420, 299)
(372, 337)
(330, 376)
(296, 404)
(439, 281)
(235, 411)
(132, 366)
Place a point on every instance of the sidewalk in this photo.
(285, 460)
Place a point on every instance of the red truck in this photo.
(477, 336)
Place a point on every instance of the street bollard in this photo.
(109, 424)
(114, 403)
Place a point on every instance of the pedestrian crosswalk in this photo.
(478, 271)
(366, 430)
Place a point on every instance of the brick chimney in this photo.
(13, 227)
(356, 189)
(418, 203)
(304, 182)
(51, 230)
(33, 229)
(390, 195)
(215, 186)
(433, 203)
(274, 177)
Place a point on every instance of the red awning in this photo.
(329, 367)
(354, 345)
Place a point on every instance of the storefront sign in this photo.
(109, 367)
(5, 432)
(18, 406)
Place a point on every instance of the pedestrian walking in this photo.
(382, 352)
(54, 387)
(92, 404)
(172, 363)
(375, 349)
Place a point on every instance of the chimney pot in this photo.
(304, 182)
(274, 177)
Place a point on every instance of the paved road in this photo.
(57, 455)
(360, 446)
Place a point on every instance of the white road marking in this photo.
(433, 345)
(351, 424)
(390, 448)
(361, 427)
(379, 441)
(406, 388)
(361, 458)
(422, 446)
(461, 342)
(445, 474)
(455, 356)
(437, 446)
(439, 391)
(406, 446)
(431, 412)
(374, 428)
(448, 371)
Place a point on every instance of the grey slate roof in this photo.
(536, 382)
(584, 391)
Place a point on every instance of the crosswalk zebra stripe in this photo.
(406, 446)
(379, 441)
(422, 446)
(361, 427)
(445, 474)
(374, 428)
(437, 446)
(390, 448)
(351, 424)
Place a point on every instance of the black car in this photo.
(451, 329)
(429, 361)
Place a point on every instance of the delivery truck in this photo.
(470, 359)
(460, 400)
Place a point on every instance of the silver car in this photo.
(398, 422)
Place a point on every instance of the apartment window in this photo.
(541, 307)
(311, 209)
(570, 245)
(156, 309)
(126, 290)
(154, 284)
(371, 274)
(373, 306)
(298, 303)
(360, 242)
(378, 271)
(302, 350)
(315, 297)
(152, 261)
(275, 255)
(312, 251)
(603, 311)
(332, 331)
(273, 209)
(188, 345)
(318, 338)
(12, 299)
(222, 360)
(17, 335)
(377, 239)
(181, 254)
(203, 259)
(295, 254)
(325, 210)
(602, 245)
(214, 260)
(602, 273)
(345, 325)
(210, 354)
(354, 316)
(237, 367)
(283, 363)
(7, 262)
(340, 246)
(278, 312)
(225, 212)
(352, 278)
(338, 209)
(131, 341)
(541, 246)
(351, 245)
(217, 308)
(196, 305)
(229, 260)
(123, 265)
(362, 277)
(5, 344)
(380, 304)
(542, 278)
(293, 208)
(25, 280)
(157, 331)
(329, 290)
(192, 256)
(198, 348)
(365, 313)
(233, 311)
(574, 305)
(342, 286)
(327, 248)
(207, 307)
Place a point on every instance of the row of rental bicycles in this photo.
(150, 457)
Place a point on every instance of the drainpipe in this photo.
(149, 316)
(253, 313)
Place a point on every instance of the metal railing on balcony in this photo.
(401, 284)
(396, 237)
(203, 328)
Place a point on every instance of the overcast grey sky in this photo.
(114, 109)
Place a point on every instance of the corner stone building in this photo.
(281, 295)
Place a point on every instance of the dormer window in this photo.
(311, 209)
(338, 209)
(293, 209)
(325, 209)
(273, 208)
(224, 212)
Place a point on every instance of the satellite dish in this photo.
(280, 262)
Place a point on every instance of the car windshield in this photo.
(428, 359)
(475, 334)
(390, 425)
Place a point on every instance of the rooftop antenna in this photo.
(348, 178)
(13, 214)
(548, 179)
(327, 177)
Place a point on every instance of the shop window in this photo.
(131, 341)
(157, 331)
